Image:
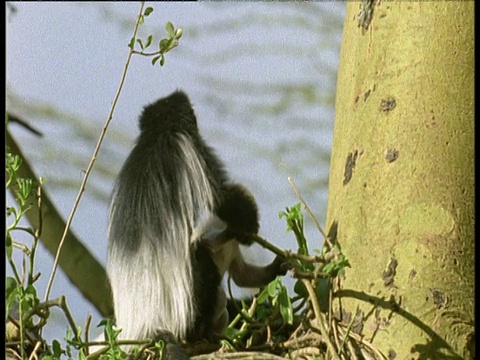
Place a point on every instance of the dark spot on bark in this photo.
(344, 316)
(389, 273)
(357, 325)
(388, 104)
(392, 355)
(412, 274)
(332, 232)
(366, 95)
(356, 99)
(349, 166)
(391, 155)
(365, 14)
(439, 298)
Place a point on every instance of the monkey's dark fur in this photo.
(176, 221)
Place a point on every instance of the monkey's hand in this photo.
(279, 266)
(239, 211)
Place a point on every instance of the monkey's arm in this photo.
(240, 213)
(234, 219)
(248, 275)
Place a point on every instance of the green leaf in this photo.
(11, 211)
(131, 44)
(171, 43)
(263, 296)
(9, 246)
(329, 268)
(81, 355)
(31, 296)
(25, 189)
(56, 349)
(139, 41)
(230, 332)
(148, 11)
(102, 322)
(178, 33)
(141, 20)
(271, 288)
(162, 60)
(149, 40)
(162, 45)
(293, 215)
(262, 311)
(155, 59)
(285, 306)
(300, 288)
(170, 29)
(30, 290)
(12, 290)
(12, 164)
(10, 285)
(322, 290)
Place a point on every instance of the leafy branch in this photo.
(164, 45)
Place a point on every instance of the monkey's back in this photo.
(170, 182)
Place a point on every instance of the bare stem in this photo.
(93, 158)
(309, 212)
(319, 318)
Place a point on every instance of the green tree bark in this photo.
(402, 176)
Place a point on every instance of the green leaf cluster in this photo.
(164, 45)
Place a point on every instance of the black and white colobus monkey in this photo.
(176, 222)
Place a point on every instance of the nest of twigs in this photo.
(272, 325)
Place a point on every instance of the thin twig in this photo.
(136, 52)
(141, 351)
(309, 212)
(96, 354)
(22, 247)
(62, 304)
(94, 157)
(87, 331)
(287, 254)
(34, 355)
(319, 318)
(335, 336)
(103, 350)
(360, 340)
(38, 233)
(267, 245)
(241, 314)
(349, 327)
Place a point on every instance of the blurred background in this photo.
(261, 77)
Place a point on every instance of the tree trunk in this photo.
(402, 176)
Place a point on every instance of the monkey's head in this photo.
(173, 113)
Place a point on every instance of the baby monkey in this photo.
(176, 222)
